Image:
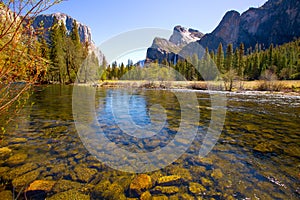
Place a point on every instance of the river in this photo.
(257, 155)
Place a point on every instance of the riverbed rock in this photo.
(69, 195)
(4, 152)
(206, 182)
(22, 181)
(264, 147)
(58, 169)
(160, 197)
(217, 174)
(180, 171)
(3, 171)
(198, 170)
(6, 195)
(196, 188)
(17, 159)
(41, 185)
(84, 174)
(166, 190)
(146, 196)
(100, 188)
(19, 140)
(114, 192)
(18, 171)
(140, 183)
(65, 185)
(169, 180)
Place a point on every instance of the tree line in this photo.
(64, 51)
(243, 64)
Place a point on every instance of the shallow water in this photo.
(256, 157)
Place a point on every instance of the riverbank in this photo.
(276, 87)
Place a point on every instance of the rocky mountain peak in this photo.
(183, 36)
(168, 49)
(277, 22)
(48, 20)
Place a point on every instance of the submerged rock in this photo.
(65, 185)
(5, 152)
(6, 195)
(196, 188)
(16, 172)
(146, 196)
(100, 188)
(22, 181)
(3, 170)
(264, 147)
(140, 183)
(206, 182)
(70, 195)
(217, 174)
(180, 171)
(166, 190)
(19, 140)
(84, 174)
(169, 180)
(41, 185)
(17, 159)
(161, 197)
(114, 192)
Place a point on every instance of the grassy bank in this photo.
(272, 86)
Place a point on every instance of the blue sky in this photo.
(108, 18)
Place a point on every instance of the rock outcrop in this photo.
(48, 20)
(182, 36)
(277, 22)
(169, 49)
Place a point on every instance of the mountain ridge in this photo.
(275, 22)
(84, 31)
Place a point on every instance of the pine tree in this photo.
(241, 66)
(220, 57)
(57, 54)
(229, 58)
(236, 61)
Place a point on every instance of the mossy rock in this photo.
(41, 185)
(4, 152)
(146, 196)
(264, 147)
(84, 174)
(18, 140)
(140, 183)
(186, 196)
(196, 188)
(24, 180)
(65, 185)
(69, 195)
(114, 192)
(169, 180)
(17, 159)
(18, 171)
(3, 171)
(58, 169)
(206, 182)
(197, 170)
(160, 197)
(217, 174)
(166, 190)
(6, 195)
(180, 171)
(100, 188)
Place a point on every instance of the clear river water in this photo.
(257, 155)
